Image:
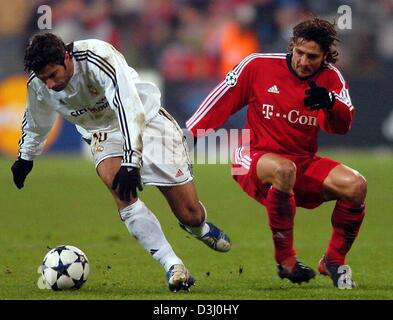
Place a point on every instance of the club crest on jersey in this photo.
(231, 78)
(92, 89)
(99, 148)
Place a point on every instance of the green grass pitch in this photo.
(64, 202)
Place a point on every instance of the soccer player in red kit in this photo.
(290, 98)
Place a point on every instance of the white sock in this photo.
(145, 227)
(202, 229)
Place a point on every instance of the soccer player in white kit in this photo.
(134, 141)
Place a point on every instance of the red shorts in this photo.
(311, 171)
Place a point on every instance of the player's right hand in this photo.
(128, 179)
(20, 169)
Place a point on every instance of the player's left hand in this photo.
(318, 97)
(20, 169)
(128, 179)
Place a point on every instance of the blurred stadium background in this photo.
(188, 45)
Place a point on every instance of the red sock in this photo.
(346, 221)
(281, 209)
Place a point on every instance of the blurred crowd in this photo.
(199, 39)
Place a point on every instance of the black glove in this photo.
(318, 97)
(128, 179)
(20, 169)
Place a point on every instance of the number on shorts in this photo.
(100, 136)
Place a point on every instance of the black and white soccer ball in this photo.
(64, 267)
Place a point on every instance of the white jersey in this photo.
(104, 94)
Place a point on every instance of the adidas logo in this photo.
(278, 235)
(179, 173)
(153, 251)
(273, 89)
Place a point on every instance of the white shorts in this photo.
(165, 158)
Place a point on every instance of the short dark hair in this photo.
(322, 32)
(44, 49)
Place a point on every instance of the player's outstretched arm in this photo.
(122, 95)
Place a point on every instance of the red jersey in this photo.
(276, 116)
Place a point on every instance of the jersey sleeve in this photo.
(37, 121)
(228, 97)
(339, 118)
(118, 82)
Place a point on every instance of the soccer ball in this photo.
(64, 267)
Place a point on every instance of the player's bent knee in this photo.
(285, 172)
(358, 189)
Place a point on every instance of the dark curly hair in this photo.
(44, 49)
(322, 32)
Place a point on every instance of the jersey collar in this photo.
(70, 86)
(289, 64)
